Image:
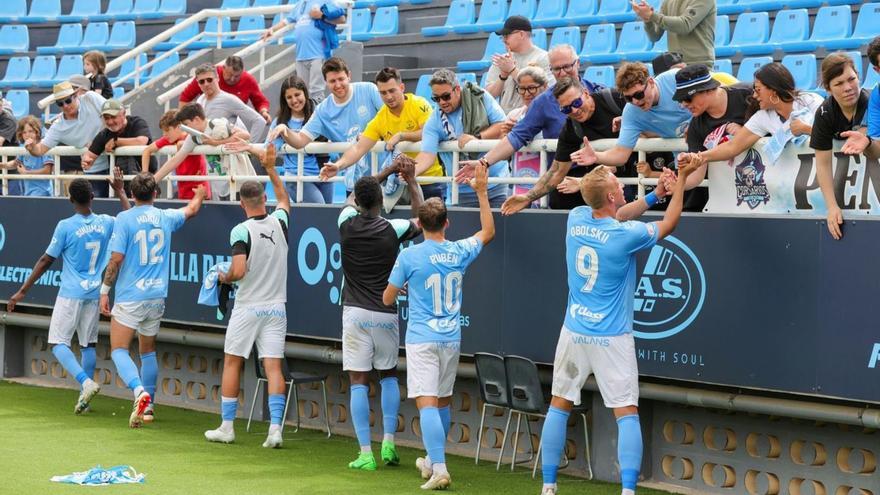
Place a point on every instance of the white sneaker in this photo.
(438, 481)
(549, 490)
(273, 440)
(424, 468)
(136, 420)
(220, 435)
(90, 390)
(149, 414)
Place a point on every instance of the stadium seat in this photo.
(722, 30)
(550, 13)
(461, 13)
(493, 45)
(249, 23)
(82, 10)
(43, 71)
(567, 35)
(161, 66)
(748, 66)
(14, 39)
(95, 37)
(234, 4)
(128, 67)
(172, 7)
(615, 11)
(857, 61)
(866, 29)
(751, 29)
(464, 77)
(661, 45)
(118, 92)
(539, 38)
(600, 40)
(725, 7)
(492, 380)
(143, 9)
(525, 8)
(600, 74)
(484, 78)
(43, 11)
(360, 24)
(115, 10)
(872, 78)
(723, 65)
(790, 26)
(385, 22)
(69, 38)
(122, 36)
(266, 3)
(179, 37)
(21, 102)
(292, 380)
(13, 10)
(423, 87)
(633, 45)
(803, 69)
(68, 66)
(581, 13)
(209, 39)
(491, 19)
(831, 24)
(17, 71)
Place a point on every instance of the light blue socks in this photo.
(150, 373)
(629, 450)
(126, 369)
(65, 356)
(390, 404)
(360, 413)
(553, 441)
(432, 434)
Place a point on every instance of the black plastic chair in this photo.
(293, 379)
(492, 379)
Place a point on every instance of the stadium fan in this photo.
(689, 24)
(599, 341)
(233, 79)
(434, 271)
(81, 240)
(531, 81)
(172, 134)
(29, 130)
(259, 269)
(220, 104)
(370, 328)
(120, 129)
(94, 64)
(140, 256)
(401, 118)
(521, 52)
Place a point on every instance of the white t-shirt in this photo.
(768, 122)
(510, 99)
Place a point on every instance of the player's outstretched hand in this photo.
(328, 171)
(15, 299)
(514, 204)
(586, 155)
(466, 171)
(480, 182)
(201, 192)
(116, 182)
(689, 167)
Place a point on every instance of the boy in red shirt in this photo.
(191, 165)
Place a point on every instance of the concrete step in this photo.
(374, 62)
(414, 25)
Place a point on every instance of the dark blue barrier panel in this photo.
(767, 303)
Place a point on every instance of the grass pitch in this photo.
(41, 437)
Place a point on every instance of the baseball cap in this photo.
(515, 23)
(111, 107)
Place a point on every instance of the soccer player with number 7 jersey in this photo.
(434, 271)
(140, 256)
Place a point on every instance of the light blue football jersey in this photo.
(143, 235)
(81, 242)
(600, 254)
(435, 272)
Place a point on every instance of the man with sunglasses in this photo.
(521, 52)
(220, 104)
(543, 117)
(80, 122)
(120, 129)
(236, 81)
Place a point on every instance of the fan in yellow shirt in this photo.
(400, 119)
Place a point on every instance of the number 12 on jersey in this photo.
(156, 237)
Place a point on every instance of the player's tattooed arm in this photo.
(110, 274)
(549, 180)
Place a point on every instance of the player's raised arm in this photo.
(673, 212)
(268, 161)
(119, 188)
(40, 268)
(192, 208)
(480, 184)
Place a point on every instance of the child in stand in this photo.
(172, 134)
(94, 63)
(29, 131)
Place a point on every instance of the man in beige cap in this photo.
(120, 129)
(79, 123)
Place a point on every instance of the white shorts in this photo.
(71, 316)
(431, 368)
(265, 324)
(370, 339)
(611, 359)
(142, 316)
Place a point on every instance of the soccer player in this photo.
(370, 332)
(596, 337)
(259, 267)
(81, 240)
(140, 256)
(435, 270)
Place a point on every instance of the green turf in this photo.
(40, 437)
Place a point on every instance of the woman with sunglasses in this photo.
(530, 82)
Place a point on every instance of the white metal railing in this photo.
(541, 146)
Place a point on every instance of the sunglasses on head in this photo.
(567, 109)
(444, 97)
(65, 102)
(207, 80)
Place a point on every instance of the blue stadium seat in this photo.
(69, 38)
(615, 11)
(360, 24)
(13, 10)
(82, 10)
(803, 69)
(122, 36)
(726, 7)
(463, 77)
(866, 29)
(128, 67)
(539, 38)
(95, 37)
(14, 38)
(599, 41)
(208, 40)
(116, 9)
(872, 78)
(164, 64)
(790, 26)
(633, 45)
(600, 74)
(21, 102)
(723, 65)
(581, 13)
(385, 22)
(831, 24)
(423, 88)
(43, 11)
(722, 30)
(751, 29)
(172, 7)
(250, 23)
(491, 19)
(493, 45)
(525, 8)
(550, 13)
(43, 71)
(857, 61)
(661, 45)
(461, 13)
(748, 66)
(17, 71)
(266, 3)
(143, 9)
(234, 4)
(118, 92)
(68, 66)
(179, 37)
(483, 79)
(567, 35)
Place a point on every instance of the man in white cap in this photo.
(120, 129)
